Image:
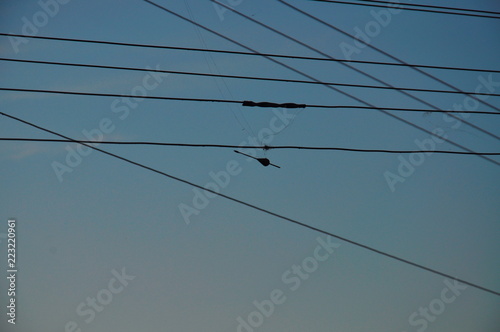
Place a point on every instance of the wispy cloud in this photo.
(15, 151)
(22, 150)
(116, 84)
(112, 84)
(16, 96)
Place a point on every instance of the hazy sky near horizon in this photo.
(160, 255)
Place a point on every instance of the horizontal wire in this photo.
(242, 102)
(398, 6)
(229, 146)
(296, 57)
(284, 80)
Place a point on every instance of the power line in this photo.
(255, 207)
(433, 6)
(284, 80)
(331, 26)
(401, 6)
(365, 73)
(296, 57)
(242, 102)
(120, 95)
(263, 147)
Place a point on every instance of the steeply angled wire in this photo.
(294, 221)
(315, 79)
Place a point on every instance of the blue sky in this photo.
(107, 217)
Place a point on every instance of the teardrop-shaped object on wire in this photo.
(263, 161)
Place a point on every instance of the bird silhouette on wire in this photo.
(263, 161)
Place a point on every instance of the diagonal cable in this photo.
(297, 222)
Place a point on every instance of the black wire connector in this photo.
(268, 104)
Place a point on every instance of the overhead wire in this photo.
(487, 132)
(331, 26)
(256, 78)
(255, 207)
(431, 6)
(242, 102)
(295, 57)
(420, 8)
(232, 146)
(406, 4)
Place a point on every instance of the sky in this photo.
(104, 245)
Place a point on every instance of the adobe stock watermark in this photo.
(221, 11)
(122, 107)
(424, 316)
(292, 279)
(31, 26)
(222, 178)
(372, 29)
(408, 166)
(88, 309)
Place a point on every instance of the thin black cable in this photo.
(433, 6)
(121, 95)
(361, 71)
(409, 109)
(388, 55)
(358, 244)
(412, 9)
(256, 78)
(263, 147)
(242, 102)
(296, 57)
